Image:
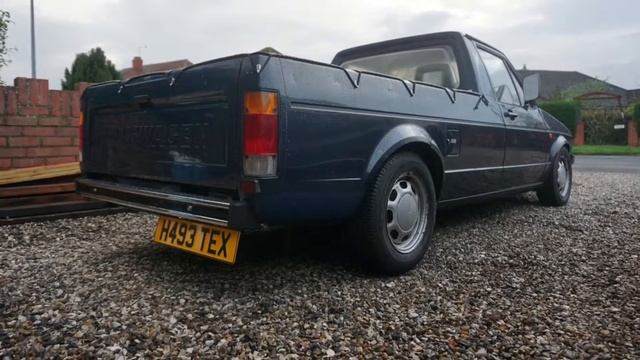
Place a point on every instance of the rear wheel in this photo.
(397, 219)
(557, 188)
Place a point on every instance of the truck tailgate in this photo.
(179, 127)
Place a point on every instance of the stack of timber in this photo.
(45, 193)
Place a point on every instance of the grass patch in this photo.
(606, 150)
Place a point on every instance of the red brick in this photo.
(10, 130)
(2, 96)
(61, 160)
(74, 121)
(65, 103)
(66, 131)
(24, 141)
(75, 103)
(52, 151)
(33, 110)
(40, 92)
(42, 152)
(76, 141)
(27, 162)
(632, 133)
(82, 86)
(21, 121)
(578, 138)
(12, 152)
(5, 164)
(55, 102)
(68, 151)
(56, 141)
(39, 131)
(54, 121)
(3, 141)
(22, 87)
(11, 107)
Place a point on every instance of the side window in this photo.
(518, 86)
(503, 84)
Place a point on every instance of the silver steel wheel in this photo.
(563, 177)
(407, 209)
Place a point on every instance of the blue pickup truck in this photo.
(378, 140)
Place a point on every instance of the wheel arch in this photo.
(410, 138)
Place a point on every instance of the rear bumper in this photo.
(235, 214)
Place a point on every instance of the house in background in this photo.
(139, 69)
(633, 95)
(553, 83)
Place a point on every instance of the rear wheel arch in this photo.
(409, 138)
(425, 151)
(430, 158)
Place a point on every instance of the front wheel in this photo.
(397, 219)
(557, 188)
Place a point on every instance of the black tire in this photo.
(380, 253)
(552, 193)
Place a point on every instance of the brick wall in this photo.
(578, 137)
(38, 126)
(632, 133)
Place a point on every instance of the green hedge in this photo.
(635, 113)
(566, 111)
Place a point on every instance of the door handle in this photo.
(510, 114)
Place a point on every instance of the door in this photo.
(527, 138)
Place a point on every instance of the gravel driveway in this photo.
(507, 279)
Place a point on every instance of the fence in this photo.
(38, 126)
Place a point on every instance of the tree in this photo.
(5, 19)
(93, 67)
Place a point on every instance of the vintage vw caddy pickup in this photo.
(377, 140)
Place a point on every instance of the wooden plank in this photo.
(38, 172)
(44, 209)
(46, 199)
(66, 215)
(30, 190)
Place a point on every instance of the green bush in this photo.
(568, 112)
(600, 129)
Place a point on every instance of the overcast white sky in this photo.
(599, 38)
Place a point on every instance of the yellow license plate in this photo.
(211, 241)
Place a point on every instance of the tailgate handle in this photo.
(142, 100)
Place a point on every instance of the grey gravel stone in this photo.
(507, 279)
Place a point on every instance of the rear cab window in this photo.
(433, 65)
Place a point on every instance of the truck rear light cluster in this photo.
(260, 133)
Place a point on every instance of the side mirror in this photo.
(531, 87)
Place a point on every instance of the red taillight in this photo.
(260, 133)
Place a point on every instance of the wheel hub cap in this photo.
(406, 213)
(563, 178)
